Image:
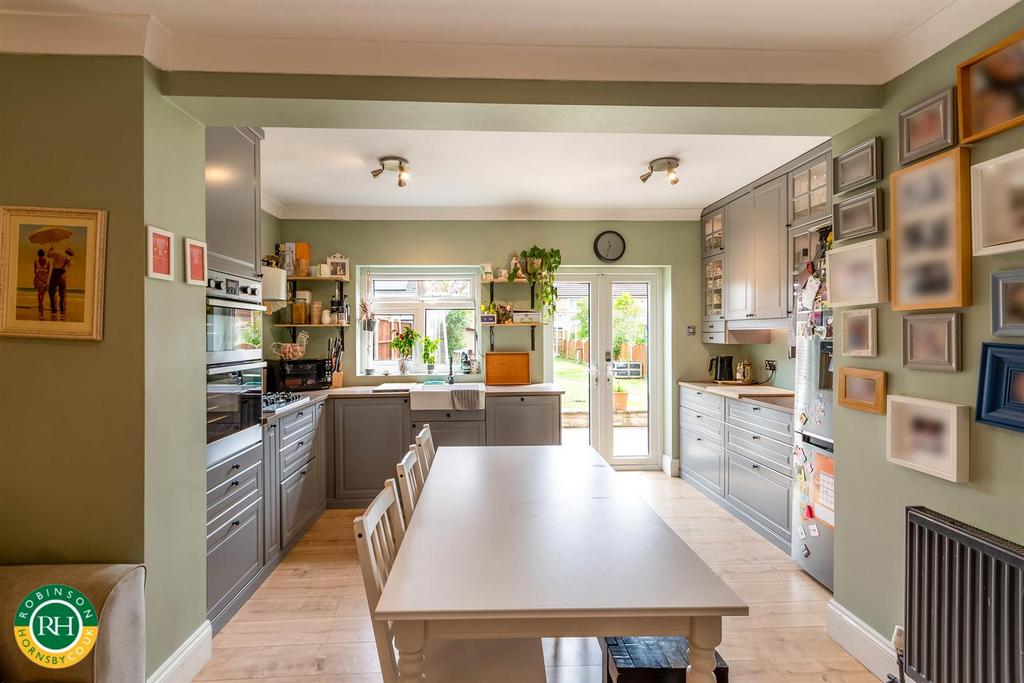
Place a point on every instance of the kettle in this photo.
(720, 368)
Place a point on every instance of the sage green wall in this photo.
(674, 245)
(174, 146)
(777, 350)
(71, 412)
(871, 494)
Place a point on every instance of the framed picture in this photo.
(857, 274)
(989, 86)
(1008, 303)
(1001, 386)
(931, 341)
(927, 127)
(195, 262)
(52, 264)
(997, 204)
(862, 390)
(858, 166)
(860, 332)
(931, 226)
(159, 253)
(929, 436)
(858, 216)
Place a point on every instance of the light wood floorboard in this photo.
(309, 622)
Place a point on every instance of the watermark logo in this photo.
(55, 626)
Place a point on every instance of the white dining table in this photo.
(544, 541)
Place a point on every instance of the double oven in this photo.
(234, 365)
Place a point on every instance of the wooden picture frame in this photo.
(931, 341)
(930, 219)
(856, 275)
(196, 262)
(159, 253)
(860, 332)
(858, 166)
(970, 81)
(61, 296)
(928, 436)
(997, 204)
(1008, 303)
(858, 216)
(862, 389)
(1001, 386)
(927, 127)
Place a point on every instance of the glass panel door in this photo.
(574, 370)
(631, 398)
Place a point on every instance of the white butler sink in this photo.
(439, 396)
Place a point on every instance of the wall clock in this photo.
(609, 246)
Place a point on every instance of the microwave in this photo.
(299, 375)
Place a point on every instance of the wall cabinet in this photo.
(737, 296)
(714, 280)
(523, 420)
(810, 191)
(768, 244)
(370, 436)
(233, 200)
(714, 233)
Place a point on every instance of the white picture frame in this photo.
(860, 332)
(159, 253)
(992, 184)
(191, 277)
(858, 274)
(929, 436)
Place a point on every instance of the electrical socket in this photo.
(770, 365)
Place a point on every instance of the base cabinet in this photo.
(370, 436)
(272, 497)
(704, 459)
(301, 495)
(234, 555)
(761, 493)
(523, 421)
(462, 433)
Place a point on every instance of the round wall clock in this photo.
(609, 246)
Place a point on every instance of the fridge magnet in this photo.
(813, 529)
(860, 334)
(862, 389)
(858, 166)
(989, 86)
(195, 262)
(1008, 303)
(931, 232)
(1001, 386)
(857, 274)
(800, 532)
(159, 253)
(858, 216)
(52, 264)
(929, 436)
(997, 204)
(927, 127)
(931, 341)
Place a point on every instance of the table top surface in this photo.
(542, 531)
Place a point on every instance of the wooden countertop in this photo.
(543, 389)
(760, 394)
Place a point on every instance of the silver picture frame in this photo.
(859, 215)
(858, 166)
(942, 105)
(1008, 303)
(931, 341)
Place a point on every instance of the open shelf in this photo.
(517, 281)
(317, 325)
(511, 324)
(316, 278)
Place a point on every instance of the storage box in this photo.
(526, 316)
(507, 367)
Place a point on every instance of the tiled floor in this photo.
(309, 622)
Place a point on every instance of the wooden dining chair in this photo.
(410, 482)
(379, 532)
(425, 446)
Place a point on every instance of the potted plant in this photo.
(538, 266)
(404, 342)
(366, 315)
(430, 346)
(620, 398)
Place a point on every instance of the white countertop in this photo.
(543, 389)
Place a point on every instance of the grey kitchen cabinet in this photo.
(234, 554)
(703, 458)
(370, 436)
(713, 285)
(809, 191)
(301, 500)
(737, 294)
(271, 499)
(714, 233)
(762, 494)
(768, 243)
(454, 433)
(523, 420)
(321, 446)
(233, 200)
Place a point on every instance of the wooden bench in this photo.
(651, 659)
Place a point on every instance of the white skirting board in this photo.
(867, 645)
(670, 465)
(188, 660)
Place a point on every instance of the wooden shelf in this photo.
(512, 325)
(493, 280)
(318, 278)
(318, 325)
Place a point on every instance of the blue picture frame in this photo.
(1001, 386)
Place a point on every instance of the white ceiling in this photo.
(325, 173)
(812, 41)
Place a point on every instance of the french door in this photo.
(606, 354)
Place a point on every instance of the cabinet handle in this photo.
(522, 398)
(755, 437)
(299, 444)
(234, 483)
(755, 408)
(447, 414)
(302, 473)
(236, 466)
(700, 393)
(755, 466)
(235, 523)
(300, 414)
(699, 417)
(699, 439)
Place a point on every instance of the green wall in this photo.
(871, 494)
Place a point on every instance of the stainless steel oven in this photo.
(234, 319)
(234, 402)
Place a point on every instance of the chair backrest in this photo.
(425, 446)
(378, 533)
(410, 482)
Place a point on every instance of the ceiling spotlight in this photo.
(395, 165)
(666, 165)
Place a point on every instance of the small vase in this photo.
(369, 325)
(430, 368)
(403, 366)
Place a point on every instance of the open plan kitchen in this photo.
(512, 342)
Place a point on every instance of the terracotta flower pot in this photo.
(620, 400)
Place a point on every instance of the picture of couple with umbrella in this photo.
(50, 269)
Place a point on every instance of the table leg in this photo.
(705, 636)
(410, 638)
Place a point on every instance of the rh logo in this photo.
(56, 626)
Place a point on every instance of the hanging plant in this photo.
(538, 266)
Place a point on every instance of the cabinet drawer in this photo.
(234, 555)
(713, 337)
(227, 494)
(701, 401)
(296, 454)
(455, 433)
(713, 326)
(701, 458)
(759, 492)
(703, 424)
(295, 424)
(759, 448)
(300, 499)
(229, 468)
(777, 424)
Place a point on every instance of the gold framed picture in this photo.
(989, 86)
(52, 264)
(862, 390)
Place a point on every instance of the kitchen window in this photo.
(440, 304)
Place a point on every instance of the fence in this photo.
(579, 350)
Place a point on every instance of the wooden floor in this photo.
(309, 622)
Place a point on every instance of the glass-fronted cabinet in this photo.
(807, 257)
(714, 236)
(714, 275)
(810, 194)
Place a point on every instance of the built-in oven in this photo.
(234, 319)
(234, 407)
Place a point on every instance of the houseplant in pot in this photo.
(404, 342)
(430, 346)
(369, 322)
(538, 265)
(620, 398)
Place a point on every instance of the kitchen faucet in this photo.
(451, 374)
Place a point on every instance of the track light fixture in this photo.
(395, 165)
(666, 165)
